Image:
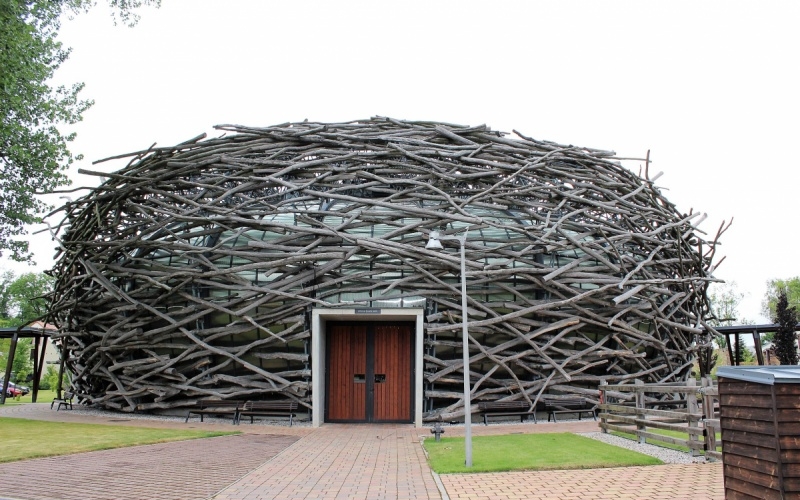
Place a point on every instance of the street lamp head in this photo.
(433, 241)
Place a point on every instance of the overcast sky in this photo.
(711, 88)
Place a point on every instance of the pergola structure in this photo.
(40, 334)
(291, 262)
(756, 331)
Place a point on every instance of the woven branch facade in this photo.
(193, 272)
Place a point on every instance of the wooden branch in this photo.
(191, 272)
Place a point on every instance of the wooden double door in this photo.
(370, 372)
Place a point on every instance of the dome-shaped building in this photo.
(295, 261)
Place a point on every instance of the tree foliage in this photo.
(27, 296)
(724, 300)
(34, 152)
(6, 278)
(785, 338)
(21, 301)
(50, 379)
(774, 288)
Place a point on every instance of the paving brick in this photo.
(379, 462)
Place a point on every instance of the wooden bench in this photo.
(580, 406)
(65, 401)
(268, 409)
(216, 407)
(506, 408)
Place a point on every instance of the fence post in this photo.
(708, 415)
(640, 415)
(602, 400)
(691, 407)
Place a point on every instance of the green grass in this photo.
(530, 451)
(23, 439)
(43, 397)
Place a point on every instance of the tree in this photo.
(724, 300)
(23, 301)
(34, 153)
(27, 296)
(6, 278)
(724, 303)
(774, 288)
(742, 352)
(50, 379)
(22, 298)
(785, 338)
(22, 366)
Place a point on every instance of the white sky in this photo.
(711, 88)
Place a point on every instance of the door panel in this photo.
(347, 388)
(369, 373)
(392, 368)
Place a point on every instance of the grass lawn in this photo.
(530, 451)
(21, 439)
(43, 397)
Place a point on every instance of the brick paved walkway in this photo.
(188, 470)
(381, 462)
(656, 482)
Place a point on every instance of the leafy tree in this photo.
(22, 298)
(49, 380)
(785, 338)
(6, 278)
(774, 288)
(23, 302)
(22, 366)
(34, 153)
(743, 353)
(724, 300)
(27, 296)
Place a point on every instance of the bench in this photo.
(580, 406)
(506, 408)
(216, 407)
(268, 408)
(65, 401)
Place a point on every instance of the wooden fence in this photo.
(684, 407)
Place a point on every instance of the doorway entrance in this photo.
(370, 372)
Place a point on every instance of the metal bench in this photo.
(267, 409)
(216, 407)
(65, 401)
(555, 406)
(506, 408)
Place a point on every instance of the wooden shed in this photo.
(760, 421)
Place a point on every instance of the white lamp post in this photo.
(434, 243)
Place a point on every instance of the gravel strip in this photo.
(116, 415)
(666, 455)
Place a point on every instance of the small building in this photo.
(760, 421)
(292, 262)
